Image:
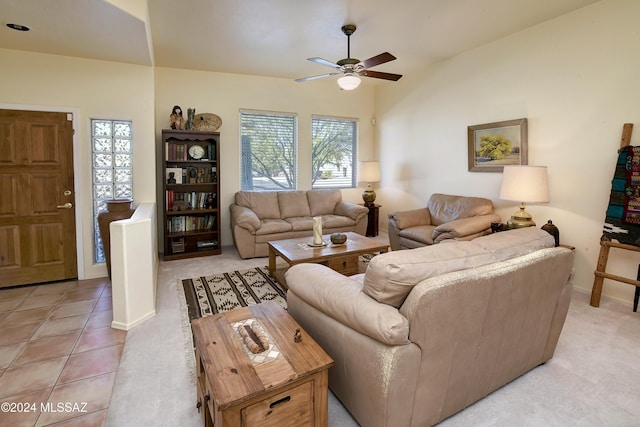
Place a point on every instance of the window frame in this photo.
(354, 151)
(99, 203)
(293, 174)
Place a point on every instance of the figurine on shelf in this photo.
(176, 121)
(210, 201)
(191, 112)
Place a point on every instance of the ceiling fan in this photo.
(353, 68)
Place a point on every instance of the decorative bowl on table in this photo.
(338, 238)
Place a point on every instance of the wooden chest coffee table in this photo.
(342, 258)
(283, 386)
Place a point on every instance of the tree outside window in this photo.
(269, 151)
(334, 142)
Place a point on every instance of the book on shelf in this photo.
(189, 200)
(189, 223)
(179, 151)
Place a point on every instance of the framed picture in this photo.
(494, 145)
(174, 174)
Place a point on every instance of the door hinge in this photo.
(70, 117)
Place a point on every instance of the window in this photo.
(112, 169)
(269, 151)
(334, 143)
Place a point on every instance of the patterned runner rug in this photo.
(226, 291)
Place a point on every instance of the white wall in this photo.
(227, 94)
(576, 80)
(95, 89)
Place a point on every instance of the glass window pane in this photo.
(102, 176)
(123, 191)
(333, 153)
(102, 144)
(122, 129)
(269, 151)
(122, 145)
(123, 175)
(102, 160)
(103, 192)
(101, 128)
(122, 160)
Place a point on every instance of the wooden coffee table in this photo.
(341, 258)
(284, 386)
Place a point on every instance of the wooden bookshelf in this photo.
(191, 189)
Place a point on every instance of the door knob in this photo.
(65, 206)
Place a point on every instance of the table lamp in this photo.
(525, 184)
(369, 172)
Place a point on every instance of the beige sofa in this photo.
(445, 217)
(427, 332)
(258, 217)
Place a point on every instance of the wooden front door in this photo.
(37, 216)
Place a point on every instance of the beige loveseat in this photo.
(427, 332)
(445, 217)
(258, 217)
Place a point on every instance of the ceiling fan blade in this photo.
(379, 75)
(377, 60)
(304, 79)
(322, 61)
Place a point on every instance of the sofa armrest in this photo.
(244, 217)
(411, 218)
(350, 210)
(342, 299)
(463, 227)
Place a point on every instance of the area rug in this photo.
(213, 294)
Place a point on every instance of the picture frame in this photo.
(488, 144)
(177, 174)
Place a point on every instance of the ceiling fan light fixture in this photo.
(349, 82)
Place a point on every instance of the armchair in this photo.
(445, 217)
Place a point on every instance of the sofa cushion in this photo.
(263, 203)
(341, 298)
(445, 207)
(336, 221)
(391, 276)
(514, 243)
(323, 202)
(419, 233)
(293, 203)
(273, 226)
(300, 223)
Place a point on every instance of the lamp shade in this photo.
(525, 184)
(349, 82)
(369, 172)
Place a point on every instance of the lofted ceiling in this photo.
(268, 37)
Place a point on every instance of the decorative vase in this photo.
(317, 230)
(117, 209)
(338, 238)
(191, 112)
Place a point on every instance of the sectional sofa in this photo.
(426, 332)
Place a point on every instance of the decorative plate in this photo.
(196, 152)
(207, 122)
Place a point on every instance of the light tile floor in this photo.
(58, 354)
